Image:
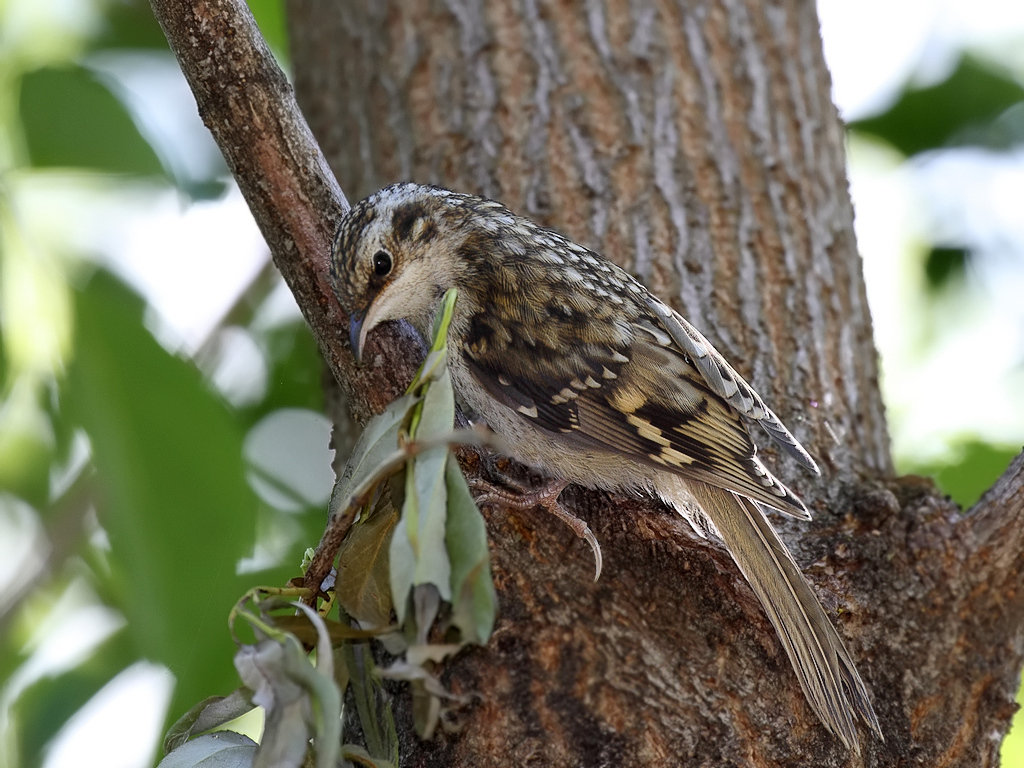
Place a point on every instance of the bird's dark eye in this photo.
(381, 263)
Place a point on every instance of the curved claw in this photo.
(546, 497)
(580, 528)
(591, 539)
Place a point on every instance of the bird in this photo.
(589, 378)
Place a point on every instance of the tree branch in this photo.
(247, 103)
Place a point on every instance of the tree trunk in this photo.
(696, 144)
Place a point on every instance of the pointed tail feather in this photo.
(823, 666)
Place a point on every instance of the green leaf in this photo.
(963, 110)
(176, 506)
(294, 379)
(417, 554)
(70, 119)
(474, 601)
(270, 17)
(131, 25)
(208, 714)
(432, 496)
(972, 471)
(402, 560)
(944, 266)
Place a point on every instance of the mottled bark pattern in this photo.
(693, 143)
(722, 185)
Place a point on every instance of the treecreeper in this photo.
(591, 379)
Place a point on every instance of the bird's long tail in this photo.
(822, 664)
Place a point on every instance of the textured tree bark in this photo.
(695, 144)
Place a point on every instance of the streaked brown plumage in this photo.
(590, 378)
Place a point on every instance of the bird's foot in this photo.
(546, 497)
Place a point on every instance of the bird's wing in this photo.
(641, 397)
(725, 381)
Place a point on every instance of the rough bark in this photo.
(697, 145)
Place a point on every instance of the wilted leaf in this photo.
(268, 668)
(301, 701)
(362, 587)
(359, 756)
(336, 631)
(372, 704)
(427, 690)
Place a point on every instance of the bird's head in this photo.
(394, 256)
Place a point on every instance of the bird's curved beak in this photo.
(356, 337)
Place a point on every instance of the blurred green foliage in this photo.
(72, 120)
(975, 105)
(169, 498)
(120, 455)
(129, 461)
(976, 467)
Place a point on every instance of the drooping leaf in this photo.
(427, 690)
(474, 601)
(301, 701)
(402, 557)
(356, 755)
(436, 421)
(372, 707)
(417, 555)
(377, 442)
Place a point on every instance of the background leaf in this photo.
(177, 509)
(964, 109)
(71, 119)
